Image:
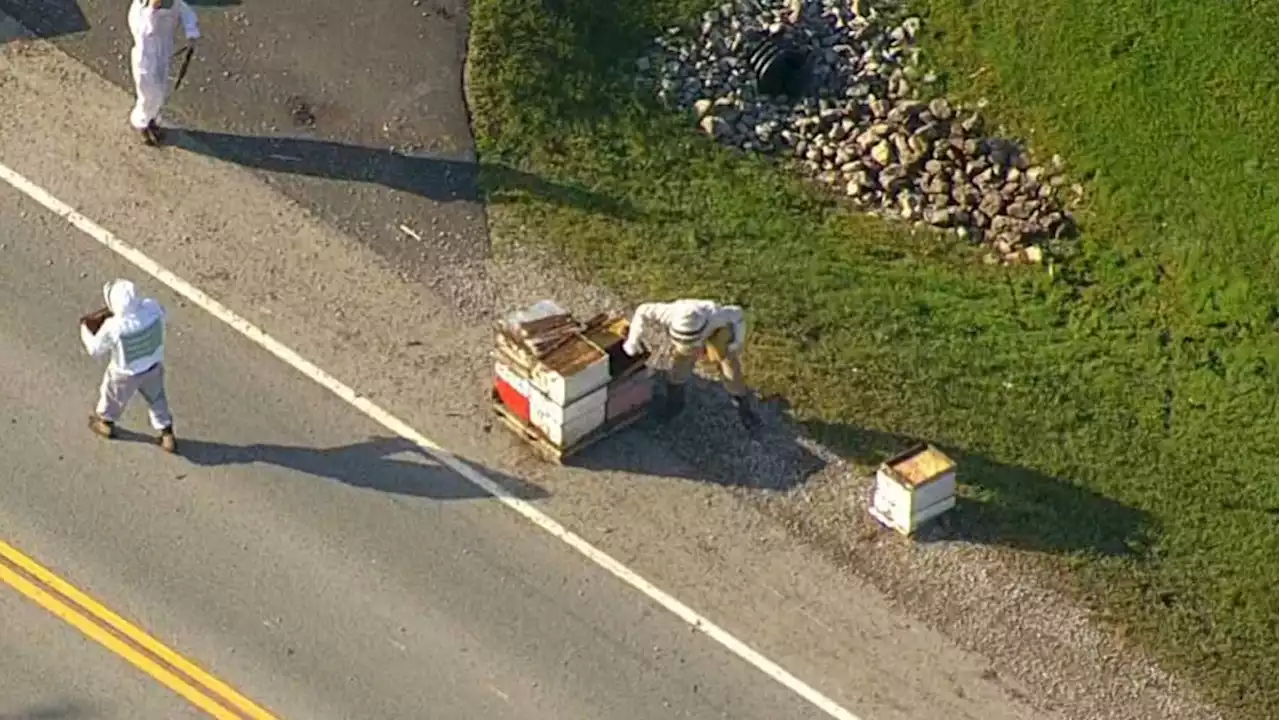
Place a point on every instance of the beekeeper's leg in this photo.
(151, 387)
(113, 397)
(682, 363)
(731, 375)
(149, 90)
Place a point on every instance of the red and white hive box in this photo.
(513, 389)
(565, 425)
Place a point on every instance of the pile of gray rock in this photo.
(862, 126)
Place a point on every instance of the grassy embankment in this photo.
(1139, 378)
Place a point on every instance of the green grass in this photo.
(1117, 416)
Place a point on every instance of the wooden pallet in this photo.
(547, 449)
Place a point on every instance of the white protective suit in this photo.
(690, 324)
(695, 320)
(153, 30)
(133, 335)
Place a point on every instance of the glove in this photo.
(632, 348)
(94, 320)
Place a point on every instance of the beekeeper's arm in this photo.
(646, 314)
(732, 316)
(103, 342)
(190, 23)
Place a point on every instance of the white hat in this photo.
(687, 329)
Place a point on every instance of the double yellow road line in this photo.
(124, 639)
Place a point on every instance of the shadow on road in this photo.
(707, 443)
(371, 464)
(438, 179)
(45, 18)
(1006, 505)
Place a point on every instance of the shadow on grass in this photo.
(1009, 506)
(438, 179)
(552, 64)
(45, 18)
(371, 464)
(707, 443)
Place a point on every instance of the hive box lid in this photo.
(537, 311)
(919, 465)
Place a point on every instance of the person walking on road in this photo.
(697, 327)
(153, 24)
(132, 333)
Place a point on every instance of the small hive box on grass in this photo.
(913, 488)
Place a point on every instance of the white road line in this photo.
(394, 424)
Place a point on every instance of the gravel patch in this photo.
(999, 602)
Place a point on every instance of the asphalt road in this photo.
(319, 567)
(49, 671)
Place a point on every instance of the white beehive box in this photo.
(571, 371)
(913, 488)
(566, 389)
(565, 425)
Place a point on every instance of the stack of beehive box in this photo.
(564, 381)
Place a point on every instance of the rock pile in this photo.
(861, 127)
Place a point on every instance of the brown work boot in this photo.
(151, 135)
(105, 428)
(167, 440)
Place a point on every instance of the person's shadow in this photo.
(435, 178)
(1000, 504)
(708, 443)
(371, 464)
(44, 18)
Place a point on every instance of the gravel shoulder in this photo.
(794, 573)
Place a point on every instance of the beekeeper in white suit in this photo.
(695, 328)
(153, 24)
(133, 336)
